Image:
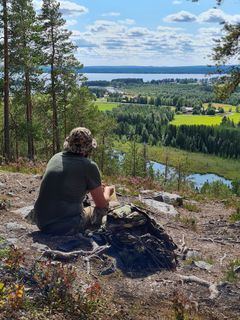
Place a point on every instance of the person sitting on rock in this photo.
(69, 176)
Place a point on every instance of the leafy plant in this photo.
(57, 290)
(191, 207)
(231, 275)
(235, 216)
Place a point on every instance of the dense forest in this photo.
(144, 123)
(220, 140)
(39, 108)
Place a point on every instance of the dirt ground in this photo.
(212, 240)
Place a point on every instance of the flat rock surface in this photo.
(161, 207)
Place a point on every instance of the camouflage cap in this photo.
(80, 141)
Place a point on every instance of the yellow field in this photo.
(186, 119)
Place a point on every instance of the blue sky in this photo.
(146, 32)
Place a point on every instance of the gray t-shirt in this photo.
(67, 179)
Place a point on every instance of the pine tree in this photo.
(5, 52)
(58, 53)
(25, 59)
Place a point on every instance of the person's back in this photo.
(65, 183)
(69, 176)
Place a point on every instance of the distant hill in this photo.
(150, 69)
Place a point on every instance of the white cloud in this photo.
(67, 8)
(209, 16)
(106, 42)
(127, 21)
(111, 14)
(218, 16)
(181, 16)
(71, 22)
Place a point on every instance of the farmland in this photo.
(181, 119)
(103, 105)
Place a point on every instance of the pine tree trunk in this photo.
(7, 154)
(29, 116)
(56, 140)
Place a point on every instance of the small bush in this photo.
(235, 216)
(231, 275)
(191, 207)
(216, 189)
(57, 290)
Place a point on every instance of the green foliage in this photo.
(234, 217)
(144, 123)
(216, 189)
(134, 163)
(236, 186)
(230, 274)
(197, 162)
(191, 207)
(222, 140)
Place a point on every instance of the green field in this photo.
(197, 162)
(187, 119)
(103, 105)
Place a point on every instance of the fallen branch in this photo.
(213, 240)
(222, 258)
(59, 255)
(213, 287)
(22, 185)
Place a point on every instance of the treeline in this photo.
(219, 140)
(159, 100)
(41, 97)
(144, 123)
(202, 92)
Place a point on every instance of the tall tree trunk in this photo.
(56, 139)
(7, 154)
(29, 116)
(65, 112)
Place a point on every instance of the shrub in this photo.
(216, 189)
(231, 274)
(235, 216)
(236, 187)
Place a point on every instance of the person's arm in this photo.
(101, 196)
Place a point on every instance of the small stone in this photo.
(192, 254)
(11, 226)
(12, 241)
(37, 176)
(24, 211)
(236, 269)
(166, 197)
(202, 265)
(11, 194)
(39, 246)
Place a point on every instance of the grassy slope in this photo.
(198, 162)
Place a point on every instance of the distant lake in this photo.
(145, 76)
(197, 178)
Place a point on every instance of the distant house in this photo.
(187, 109)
